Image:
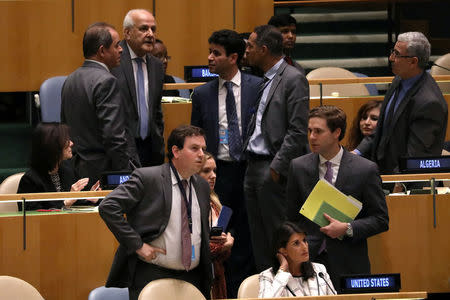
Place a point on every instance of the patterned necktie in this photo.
(186, 250)
(234, 136)
(329, 173)
(143, 109)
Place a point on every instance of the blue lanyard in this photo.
(187, 202)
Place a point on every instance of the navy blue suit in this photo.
(230, 174)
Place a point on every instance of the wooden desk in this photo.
(371, 296)
(67, 254)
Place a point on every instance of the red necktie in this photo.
(186, 250)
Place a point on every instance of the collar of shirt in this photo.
(100, 63)
(272, 71)
(133, 55)
(236, 80)
(408, 83)
(335, 161)
(174, 178)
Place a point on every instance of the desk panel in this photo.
(67, 255)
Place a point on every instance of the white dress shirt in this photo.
(335, 163)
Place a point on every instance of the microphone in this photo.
(434, 64)
(326, 281)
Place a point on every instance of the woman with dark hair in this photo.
(49, 169)
(220, 246)
(292, 274)
(364, 124)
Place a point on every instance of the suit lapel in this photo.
(127, 66)
(275, 82)
(344, 170)
(167, 187)
(381, 137)
(152, 83)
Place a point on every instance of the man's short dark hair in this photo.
(282, 20)
(96, 35)
(269, 36)
(230, 40)
(334, 116)
(179, 134)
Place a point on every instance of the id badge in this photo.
(193, 253)
(223, 136)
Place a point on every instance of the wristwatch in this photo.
(349, 231)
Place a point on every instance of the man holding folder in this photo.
(341, 247)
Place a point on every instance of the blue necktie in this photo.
(234, 136)
(142, 103)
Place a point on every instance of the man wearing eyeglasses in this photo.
(141, 78)
(160, 52)
(413, 117)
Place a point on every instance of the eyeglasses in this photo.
(396, 54)
(162, 57)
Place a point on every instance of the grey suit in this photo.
(284, 128)
(357, 177)
(146, 199)
(151, 150)
(92, 106)
(417, 129)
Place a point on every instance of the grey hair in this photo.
(128, 20)
(418, 46)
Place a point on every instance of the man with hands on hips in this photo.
(166, 230)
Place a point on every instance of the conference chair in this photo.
(50, 99)
(104, 293)
(249, 288)
(13, 288)
(371, 87)
(184, 93)
(9, 186)
(443, 61)
(341, 90)
(170, 289)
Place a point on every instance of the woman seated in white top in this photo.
(292, 274)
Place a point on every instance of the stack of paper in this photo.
(325, 198)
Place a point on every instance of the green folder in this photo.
(325, 198)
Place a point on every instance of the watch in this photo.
(349, 231)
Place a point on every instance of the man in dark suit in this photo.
(288, 27)
(223, 107)
(341, 247)
(413, 117)
(277, 134)
(92, 107)
(141, 77)
(166, 230)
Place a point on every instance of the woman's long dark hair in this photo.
(355, 137)
(48, 143)
(280, 240)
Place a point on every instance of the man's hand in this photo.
(335, 228)
(275, 175)
(148, 253)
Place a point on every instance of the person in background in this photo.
(288, 28)
(364, 124)
(292, 274)
(220, 245)
(140, 77)
(50, 170)
(160, 52)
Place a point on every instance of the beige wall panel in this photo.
(185, 26)
(251, 13)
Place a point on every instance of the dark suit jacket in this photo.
(127, 85)
(284, 122)
(418, 127)
(146, 199)
(357, 177)
(92, 106)
(205, 108)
